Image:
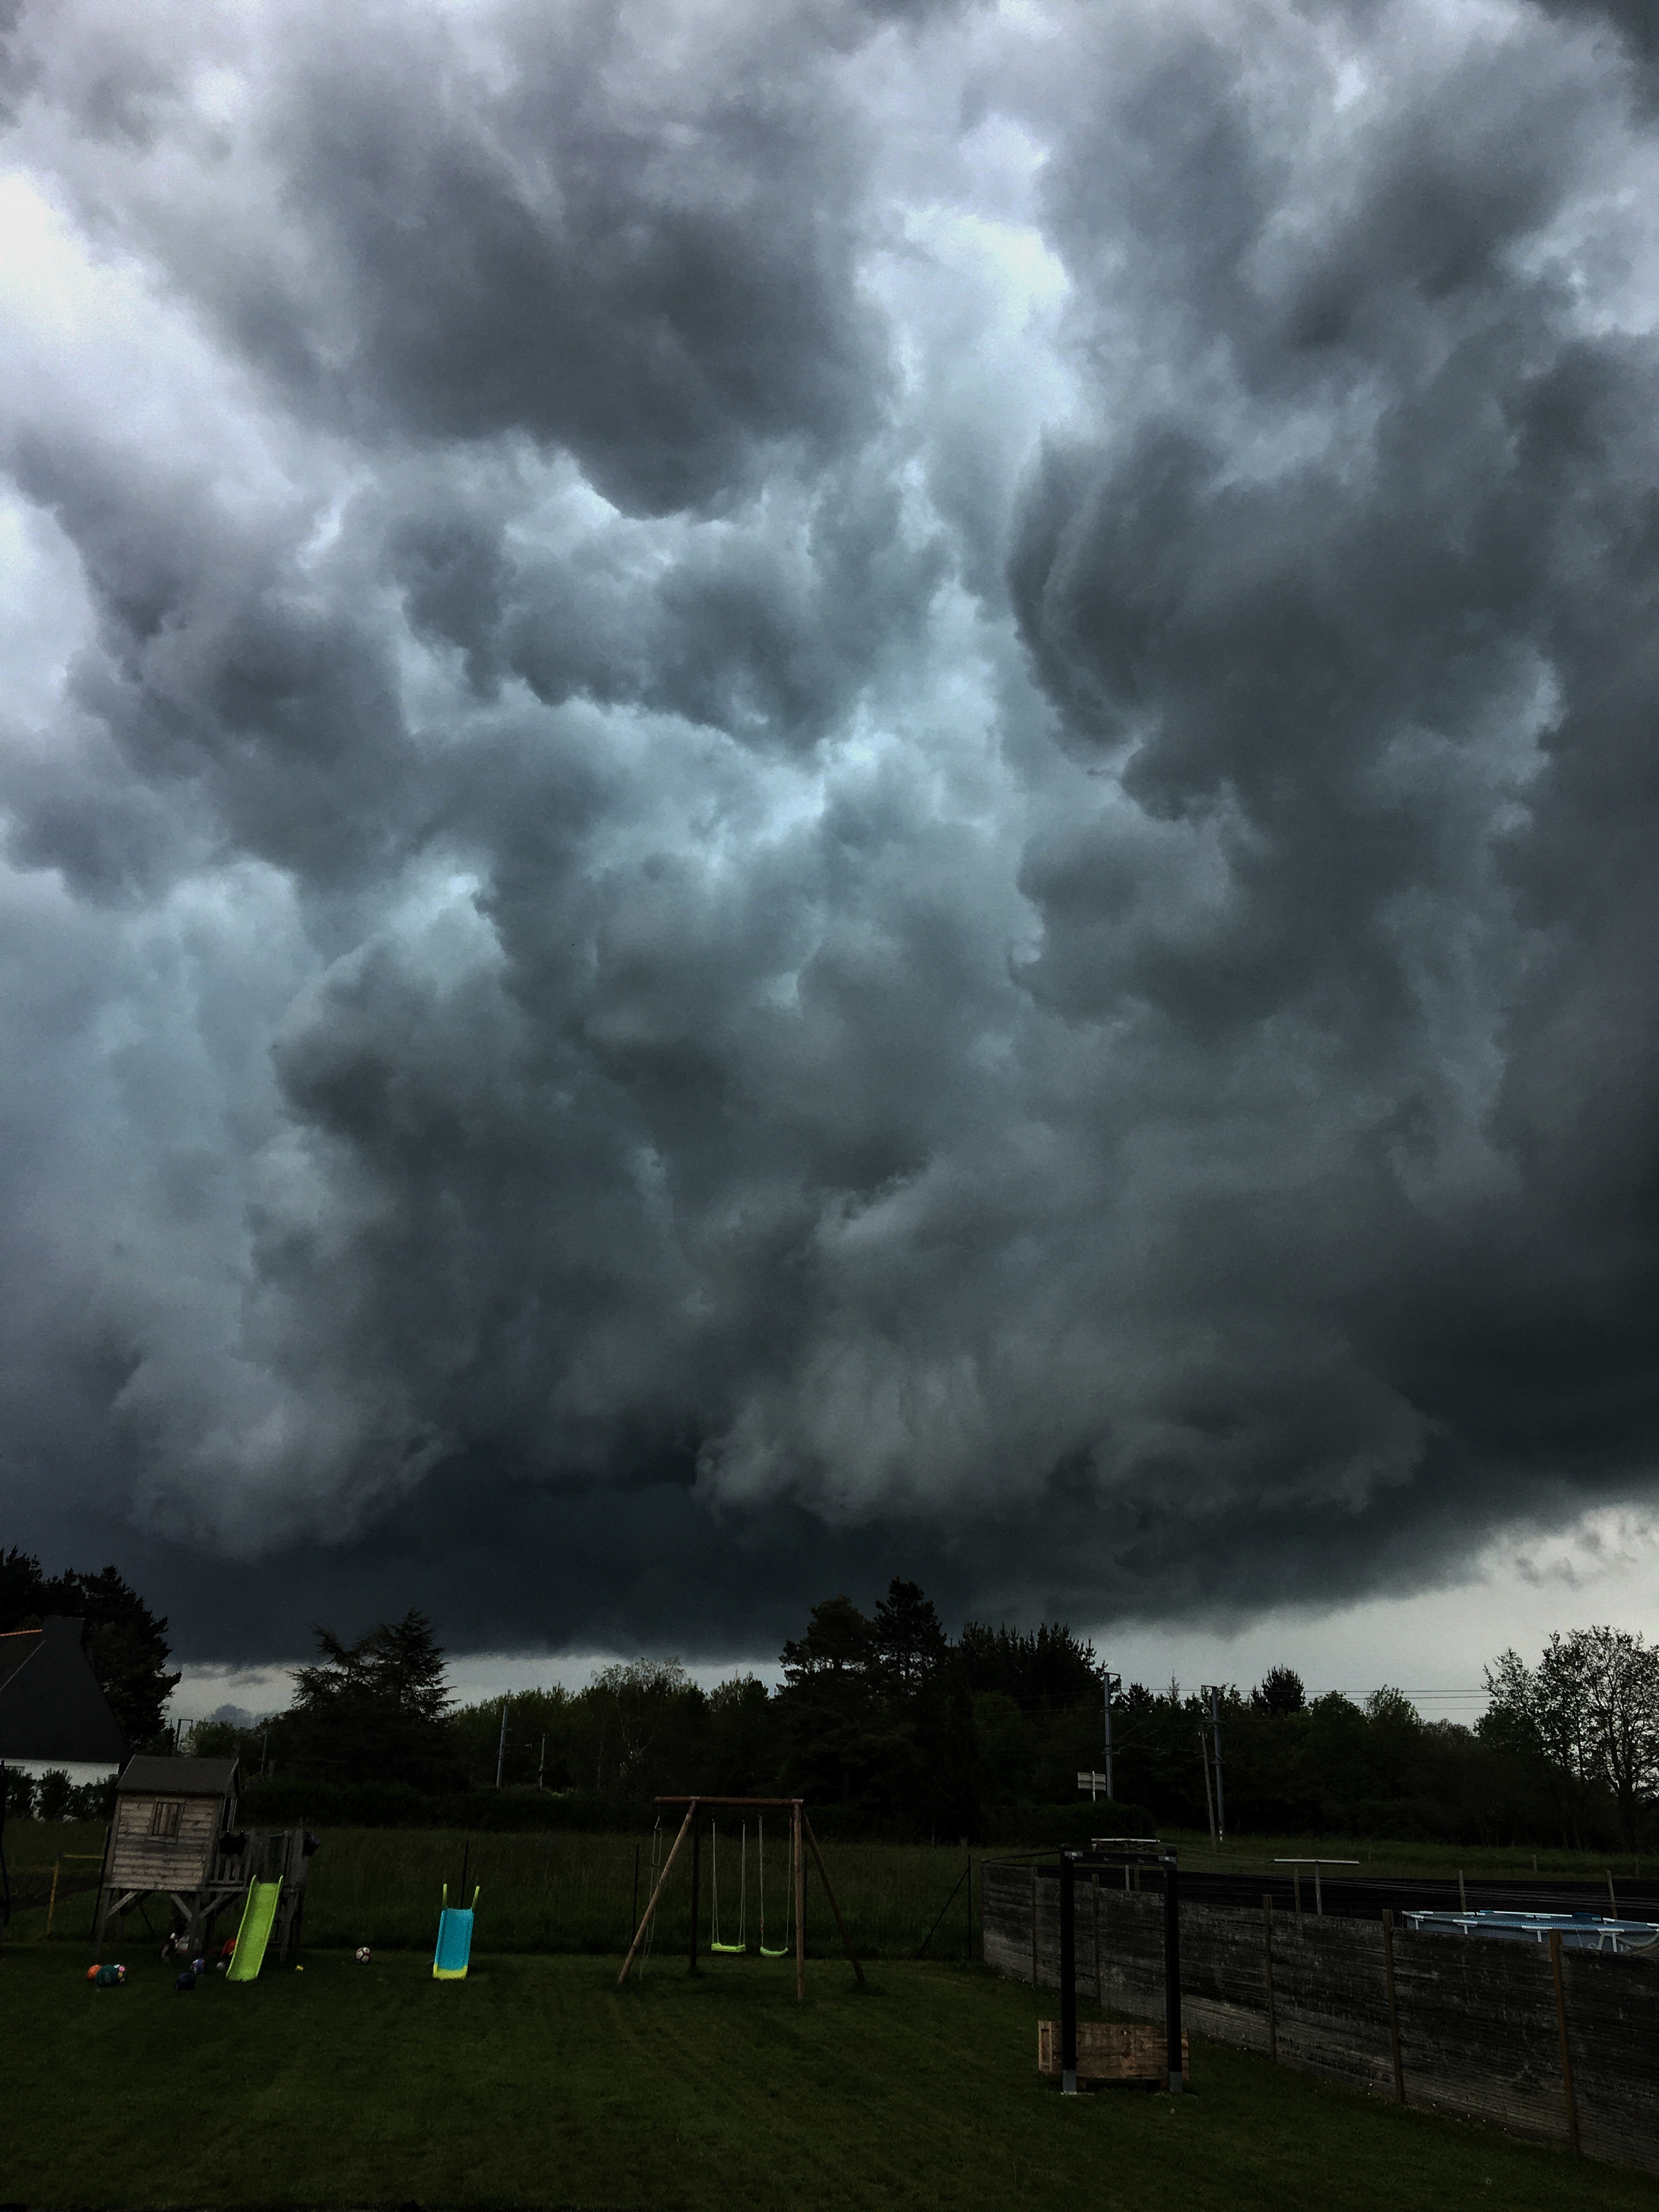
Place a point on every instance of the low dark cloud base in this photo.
(788, 796)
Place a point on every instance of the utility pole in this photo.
(1215, 1738)
(500, 1754)
(1113, 1682)
(541, 1770)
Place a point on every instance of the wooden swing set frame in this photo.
(800, 1833)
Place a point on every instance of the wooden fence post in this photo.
(1561, 2023)
(1393, 2007)
(1267, 1945)
(1034, 1938)
(1098, 1998)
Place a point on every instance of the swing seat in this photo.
(767, 1951)
(736, 1949)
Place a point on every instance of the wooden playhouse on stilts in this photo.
(174, 1838)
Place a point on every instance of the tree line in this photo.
(908, 1731)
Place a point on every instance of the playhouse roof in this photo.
(149, 1777)
(52, 1705)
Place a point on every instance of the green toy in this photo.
(253, 1934)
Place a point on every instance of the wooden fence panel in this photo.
(1006, 1918)
(1478, 2025)
(1332, 1999)
(1478, 2032)
(1613, 2025)
(1223, 1984)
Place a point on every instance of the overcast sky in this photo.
(797, 792)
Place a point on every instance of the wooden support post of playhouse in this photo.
(796, 1821)
(824, 1877)
(639, 1933)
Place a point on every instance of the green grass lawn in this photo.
(537, 2082)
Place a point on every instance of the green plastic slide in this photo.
(258, 1914)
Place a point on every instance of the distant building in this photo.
(53, 1712)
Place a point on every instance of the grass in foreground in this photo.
(536, 2081)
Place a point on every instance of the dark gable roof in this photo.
(51, 1705)
(146, 1776)
(16, 1645)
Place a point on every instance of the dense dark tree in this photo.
(1046, 1666)
(21, 1584)
(1279, 1691)
(373, 1711)
(908, 1643)
(125, 1642)
(839, 1643)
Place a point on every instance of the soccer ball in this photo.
(361, 1954)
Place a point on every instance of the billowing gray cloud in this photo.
(794, 795)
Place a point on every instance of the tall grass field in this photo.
(559, 1892)
(382, 1887)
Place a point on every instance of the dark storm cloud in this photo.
(793, 797)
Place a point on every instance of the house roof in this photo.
(16, 1645)
(51, 1703)
(148, 1776)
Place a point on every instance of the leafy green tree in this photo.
(1588, 1713)
(636, 1711)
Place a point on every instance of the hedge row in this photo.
(284, 1804)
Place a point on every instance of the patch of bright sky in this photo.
(84, 330)
(45, 612)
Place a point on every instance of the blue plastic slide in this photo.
(454, 1952)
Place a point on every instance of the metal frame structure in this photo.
(1137, 1852)
(800, 1831)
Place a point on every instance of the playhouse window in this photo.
(164, 1817)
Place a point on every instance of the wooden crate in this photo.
(1109, 2052)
